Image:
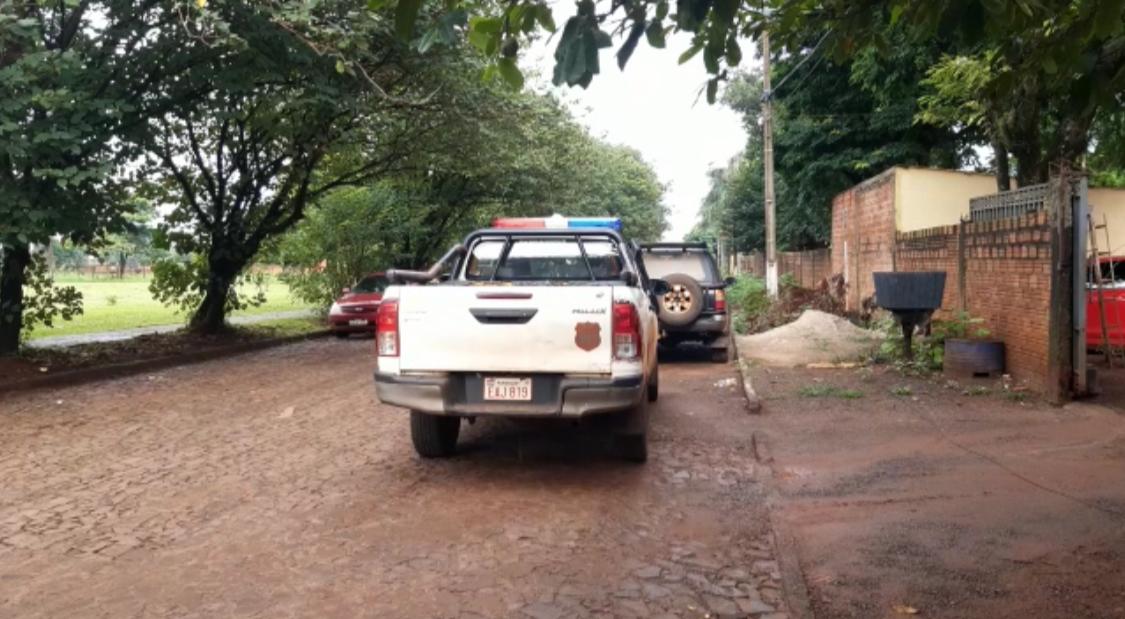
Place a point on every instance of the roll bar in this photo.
(421, 277)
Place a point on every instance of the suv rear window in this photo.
(695, 264)
(1113, 272)
(545, 259)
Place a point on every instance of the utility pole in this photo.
(767, 163)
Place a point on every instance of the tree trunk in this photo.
(1030, 169)
(1075, 140)
(210, 317)
(1003, 171)
(15, 259)
(122, 260)
(224, 262)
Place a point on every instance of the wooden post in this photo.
(962, 269)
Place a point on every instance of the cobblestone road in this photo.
(275, 485)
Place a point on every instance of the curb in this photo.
(753, 401)
(69, 378)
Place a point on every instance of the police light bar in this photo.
(557, 222)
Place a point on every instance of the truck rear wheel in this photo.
(633, 447)
(632, 437)
(434, 436)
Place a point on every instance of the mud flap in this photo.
(633, 421)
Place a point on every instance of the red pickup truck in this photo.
(1113, 295)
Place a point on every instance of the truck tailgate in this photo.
(558, 329)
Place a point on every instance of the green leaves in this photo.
(576, 57)
(630, 44)
(544, 16)
(484, 34)
(655, 34)
(734, 52)
(510, 72)
(690, 53)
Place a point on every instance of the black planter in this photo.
(973, 358)
(909, 291)
(911, 296)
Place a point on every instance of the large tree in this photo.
(1049, 66)
(292, 106)
(825, 144)
(512, 154)
(62, 104)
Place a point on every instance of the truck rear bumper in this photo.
(706, 326)
(553, 395)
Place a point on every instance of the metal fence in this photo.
(1007, 204)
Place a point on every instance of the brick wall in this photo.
(808, 267)
(935, 249)
(863, 234)
(1007, 282)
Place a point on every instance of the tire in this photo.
(683, 303)
(654, 385)
(720, 355)
(434, 436)
(632, 438)
(633, 447)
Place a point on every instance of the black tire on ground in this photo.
(682, 304)
(654, 385)
(720, 355)
(343, 335)
(632, 435)
(434, 436)
(633, 447)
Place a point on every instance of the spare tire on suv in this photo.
(683, 302)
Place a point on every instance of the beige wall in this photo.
(1111, 204)
(926, 198)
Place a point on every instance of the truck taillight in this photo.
(626, 332)
(720, 301)
(386, 329)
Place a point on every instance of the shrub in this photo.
(929, 350)
(747, 300)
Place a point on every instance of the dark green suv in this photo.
(694, 308)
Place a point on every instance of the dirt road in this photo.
(956, 502)
(275, 485)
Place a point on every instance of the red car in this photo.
(354, 311)
(1113, 292)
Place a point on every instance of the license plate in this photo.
(508, 389)
(357, 323)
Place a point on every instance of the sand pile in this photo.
(815, 337)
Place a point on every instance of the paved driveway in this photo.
(275, 485)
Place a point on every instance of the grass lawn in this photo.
(111, 304)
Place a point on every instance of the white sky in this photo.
(651, 106)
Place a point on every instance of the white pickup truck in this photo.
(538, 318)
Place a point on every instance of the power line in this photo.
(808, 56)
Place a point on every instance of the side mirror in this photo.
(629, 277)
(659, 287)
(729, 281)
(345, 290)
